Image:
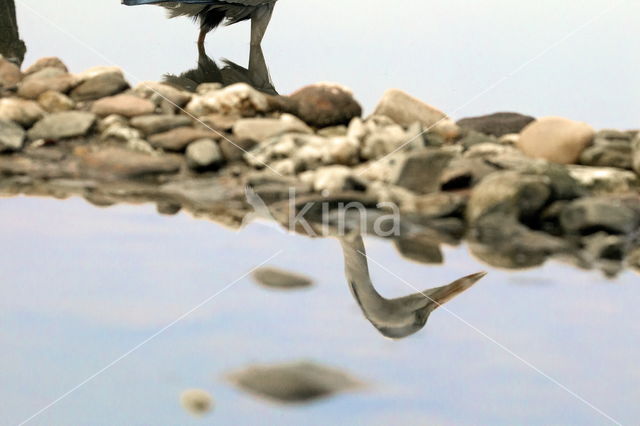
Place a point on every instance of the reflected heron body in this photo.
(401, 317)
(211, 13)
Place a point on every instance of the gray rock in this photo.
(295, 382)
(280, 279)
(235, 150)
(178, 139)
(421, 171)
(498, 124)
(602, 181)
(261, 129)
(325, 105)
(611, 154)
(203, 154)
(152, 124)
(20, 111)
(419, 249)
(11, 136)
(62, 125)
(405, 110)
(44, 80)
(633, 260)
(511, 193)
(593, 214)
(100, 86)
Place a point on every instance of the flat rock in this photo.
(48, 62)
(11, 136)
(325, 104)
(593, 214)
(497, 124)
(556, 139)
(203, 154)
(280, 279)
(405, 110)
(10, 74)
(153, 90)
(125, 105)
(260, 129)
(178, 139)
(62, 125)
(123, 163)
(99, 86)
(605, 180)
(44, 80)
(293, 383)
(53, 101)
(152, 124)
(21, 111)
(421, 171)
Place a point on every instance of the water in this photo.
(465, 57)
(81, 286)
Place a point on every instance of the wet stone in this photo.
(62, 125)
(152, 124)
(11, 136)
(280, 279)
(293, 383)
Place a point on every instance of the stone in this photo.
(277, 278)
(556, 139)
(325, 105)
(220, 121)
(421, 171)
(125, 105)
(197, 402)
(235, 150)
(126, 164)
(53, 101)
(203, 154)
(405, 110)
(238, 99)
(447, 129)
(45, 80)
(153, 90)
(605, 180)
(332, 180)
(635, 147)
(20, 111)
(497, 124)
(152, 124)
(48, 62)
(463, 173)
(439, 204)
(97, 71)
(11, 136)
(121, 132)
(610, 154)
(261, 129)
(10, 74)
(589, 215)
(510, 193)
(633, 260)
(100, 86)
(381, 141)
(419, 249)
(62, 125)
(178, 139)
(472, 138)
(293, 382)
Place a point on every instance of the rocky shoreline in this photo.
(518, 189)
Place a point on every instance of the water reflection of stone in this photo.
(394, 318)
(208, 71)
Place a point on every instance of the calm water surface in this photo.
(80, 286)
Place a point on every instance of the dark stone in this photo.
(612, 154)
(589, 215)
(324, 105)
(280, 279)
(498, 124)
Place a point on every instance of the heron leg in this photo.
(259, 23)
(202, 37)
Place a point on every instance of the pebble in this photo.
(325, 105)
(62, 125)
(152, 89)
(203, 154)
(10, 74)
(556, 139)
(125, 105)
(405, 110)
(605, 180)
(11, 136)
(44, 80)
(49, 62)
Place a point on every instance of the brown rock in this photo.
(20, 111)
(405, 110)
(105, 84)
(53, 101)
(123, 163)
(325, 105)
(10, 74)
(556, 139)
(152, 124)
(50, 62)
(126, 105)
(44, 80)
(178, 139)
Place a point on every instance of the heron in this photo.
(211, 13)
(401, 317)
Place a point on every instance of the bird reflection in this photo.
(208, 71)
(394, 318)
